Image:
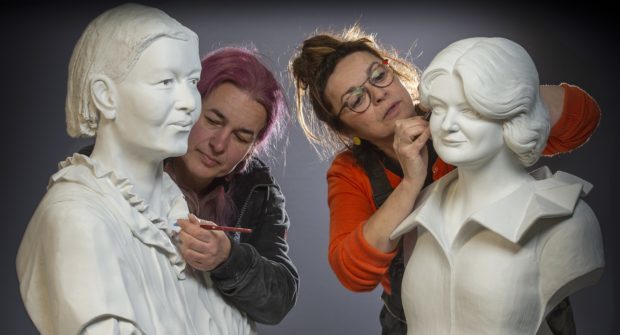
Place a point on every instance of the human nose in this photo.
(450, 121)
(377, 94)
(219, 141)
(187, 98)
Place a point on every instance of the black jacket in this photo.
(259, 278)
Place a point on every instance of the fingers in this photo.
(202, 249)
(410, 129)
(192, 227)
(194, 219)
(410, 134)
(423, 137)
(203, 255)
(198, 261)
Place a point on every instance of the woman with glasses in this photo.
(363, 101)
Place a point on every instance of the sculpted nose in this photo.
(187, 98)
(449, 123)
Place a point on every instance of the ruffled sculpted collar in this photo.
(155, 231)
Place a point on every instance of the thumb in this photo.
(194, 219)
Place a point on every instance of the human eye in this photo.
(356, 98)
(213, 121)
(378, 75)
(244, 138)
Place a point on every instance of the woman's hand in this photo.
(202, 249)
(410, 139)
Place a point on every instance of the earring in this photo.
(357, 140)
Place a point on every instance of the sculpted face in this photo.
(224, 134)
(460, 135)
(157, 100)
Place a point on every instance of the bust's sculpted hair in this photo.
(106, 48)
(500, 82)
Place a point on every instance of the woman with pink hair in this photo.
(243, 109)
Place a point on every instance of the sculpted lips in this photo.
(184, 124)
(451, 142)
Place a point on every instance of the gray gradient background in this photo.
(572, 45)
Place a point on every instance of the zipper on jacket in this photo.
(245, 207)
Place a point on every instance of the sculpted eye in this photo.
(194, 81)
(437, 110)
(165, 83)
(470, 113)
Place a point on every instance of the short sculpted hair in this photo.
(111, 45)
(500, 82)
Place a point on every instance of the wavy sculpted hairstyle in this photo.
(500, 82)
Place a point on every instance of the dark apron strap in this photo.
(392, 316)
(381, 188)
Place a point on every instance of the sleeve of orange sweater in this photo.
(358, 265)
(580, 117)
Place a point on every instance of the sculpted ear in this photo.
(103, 95)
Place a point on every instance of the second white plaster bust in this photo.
(497, 247)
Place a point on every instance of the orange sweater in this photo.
(358, 265)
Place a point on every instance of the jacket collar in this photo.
(549, 196)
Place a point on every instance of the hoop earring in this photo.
(357, 140)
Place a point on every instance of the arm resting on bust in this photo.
(579, 117)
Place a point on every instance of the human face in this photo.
(387, 105)
(157, 100)
(357, 99)
(225, 133)
(461, 136)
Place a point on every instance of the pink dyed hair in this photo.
(243, 68)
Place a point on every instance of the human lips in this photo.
(392, 110)
(207, 159)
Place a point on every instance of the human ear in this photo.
(102, 94)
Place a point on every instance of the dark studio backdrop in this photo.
(571, 44)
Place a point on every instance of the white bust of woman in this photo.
(497, 247)
(98, 254)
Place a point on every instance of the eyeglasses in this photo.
(358, 98)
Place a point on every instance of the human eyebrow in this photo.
(217, 113)
(353, 88)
